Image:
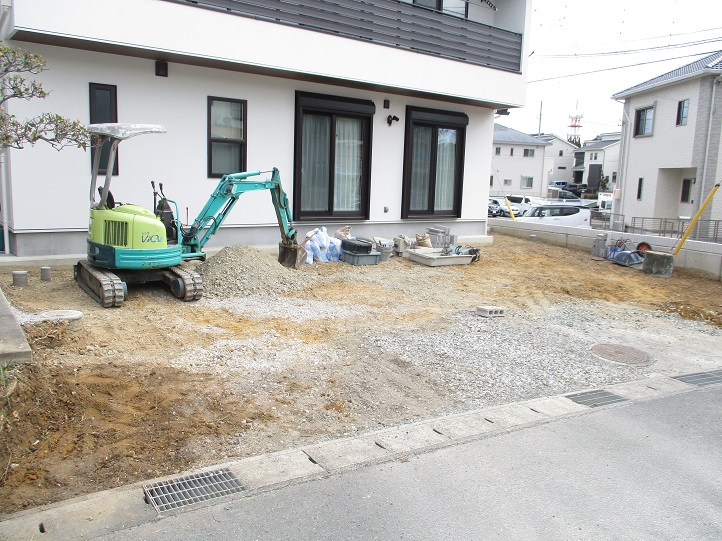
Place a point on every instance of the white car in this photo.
(504, 208)
(556, 214)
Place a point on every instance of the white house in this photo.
(597, 158)
(671, 143)
(558, 158)
(379, 118)
(517, 164)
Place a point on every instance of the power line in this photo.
(618, 67)
(632, 51)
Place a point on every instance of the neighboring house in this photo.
(517, 163)
(558, 158)
(671, 145)
(378, 114)
(596, 158)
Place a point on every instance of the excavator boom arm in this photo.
(222, 201)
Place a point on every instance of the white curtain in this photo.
(445, 170)
(420, 168)
(348, 164)
(315, 162)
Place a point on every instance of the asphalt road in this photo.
(637, 470)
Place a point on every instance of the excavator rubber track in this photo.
(185, 284)
(106, 288)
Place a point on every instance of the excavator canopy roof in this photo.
(124, 130)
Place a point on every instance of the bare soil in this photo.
(102, 405)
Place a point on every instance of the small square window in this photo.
(507, 182)
(528, 152)
(527, 182)
(498, 151)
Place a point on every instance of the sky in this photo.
(570, 38)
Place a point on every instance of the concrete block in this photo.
(512, 415)
(554, 406)
(404, 439)
(463, 426)
(335, 455)
(649, 388)
(490, 311)
(281, 467)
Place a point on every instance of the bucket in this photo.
(386, 252)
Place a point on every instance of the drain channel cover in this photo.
(701, 378)
(191, 489)
(595, 399)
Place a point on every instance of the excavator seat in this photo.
(164, 212)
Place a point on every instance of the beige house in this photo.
(671, 145)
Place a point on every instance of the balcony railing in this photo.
(704, 230)
(386, 22)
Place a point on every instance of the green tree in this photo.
(57, 131)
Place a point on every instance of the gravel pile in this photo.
(239, 271)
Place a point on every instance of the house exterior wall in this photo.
(506, 166)
(49, 196)
(671, 153)
(558, 167)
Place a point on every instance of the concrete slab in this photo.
(14, 347)
(512, 415)
(408, 438)
(650, 388)
(339, 454)
(462, 426)
(281, 467)
(81, 518)
(555, 406)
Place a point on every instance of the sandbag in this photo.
(423, 241)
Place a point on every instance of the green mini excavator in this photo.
(130, 244)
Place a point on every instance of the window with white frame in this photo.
(527, 182)
(561, 153)
(640, 182)
(491, 180)
(507, 182)
(511, 151)
(498, 151)
(528, 152)
(682, 112)
(643, 121)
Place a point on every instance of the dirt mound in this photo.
(239, 271)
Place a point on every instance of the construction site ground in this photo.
(274, 358)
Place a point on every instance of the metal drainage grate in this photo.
(701, 378)
(191, 489)
(595, 399)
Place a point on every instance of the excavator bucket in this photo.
(291, 256)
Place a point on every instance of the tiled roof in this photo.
(596, 145)
(709, 64)
(502, 134)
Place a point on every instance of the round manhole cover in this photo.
(621, 354)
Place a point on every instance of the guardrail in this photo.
(704, 230)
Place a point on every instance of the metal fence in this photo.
(704, 230)
(607, 220)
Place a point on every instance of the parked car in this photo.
(561, 184)
(577, 189)
(503, 208)
(559, 214)
(494, 208)
(524, 202)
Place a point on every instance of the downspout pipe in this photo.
(4, 10)
(709, 136)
